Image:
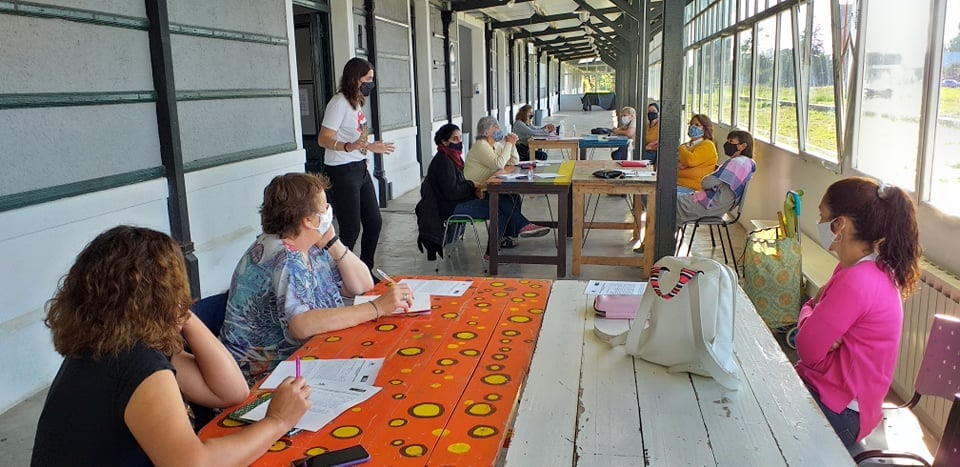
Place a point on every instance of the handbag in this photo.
(772, 267)
(772, 276)
(685, 320)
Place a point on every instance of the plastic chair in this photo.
(461, 221)
(211, 311)
(730, 217)
(938, 376)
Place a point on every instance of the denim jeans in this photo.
(846, 423)
(650, 155)
(619, 154)
(510, 219)
(682, 190)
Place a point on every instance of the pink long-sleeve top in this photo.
(861, 307)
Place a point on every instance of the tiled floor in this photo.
(397, 254)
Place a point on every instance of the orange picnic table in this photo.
(451, 379)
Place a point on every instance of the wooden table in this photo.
(602, 141)
(584, 183)
(451, 380)
(588, 404)
(568, 146)
(559, 186)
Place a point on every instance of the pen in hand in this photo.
(298, 366)
(385, 277)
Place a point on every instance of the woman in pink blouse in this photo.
(850, 332)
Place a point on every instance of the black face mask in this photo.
(367, 88)
(730, 149)
(652, 116)
(455, 146)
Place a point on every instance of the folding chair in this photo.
(728, 218)
(460, 221)
(938, 376)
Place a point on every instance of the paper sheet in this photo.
(329, 399)
(615, 288)
(421, 303)
(432, 287)
(349, 370)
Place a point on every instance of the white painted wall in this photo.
(38, 245)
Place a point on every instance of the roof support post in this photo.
(671, 104)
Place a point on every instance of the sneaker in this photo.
(509, 242)
(534, 230)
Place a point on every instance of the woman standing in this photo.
(523, 127)
(698, 157)
(344, 134)
(120, 319)
(850, 332)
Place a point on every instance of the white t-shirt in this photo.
(348, 122)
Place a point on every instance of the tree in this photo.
(954, 45)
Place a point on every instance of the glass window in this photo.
(821, 137)
(766, 48)
(786, 86)
(744, 77)
(892, 91)
(945, 183)
(717, 79)
(693, 96)
(726, 80)
(848, 38)
(744, 9)
(706, 79)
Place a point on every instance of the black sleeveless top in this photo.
(82, 419)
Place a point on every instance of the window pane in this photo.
(726, 80)
(848, 34)
(744, 77)
(693, 95)
(945, 186)
(706, 79)
(821, 138)
(892, 91)
(766, 47)
(787, 86)
(717, 78)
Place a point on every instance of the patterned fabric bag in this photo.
(772, 272)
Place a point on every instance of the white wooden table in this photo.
(588, 404)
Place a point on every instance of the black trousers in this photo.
(355, 206)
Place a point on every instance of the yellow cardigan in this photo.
(700, 161)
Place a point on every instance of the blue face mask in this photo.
(694, 131)
(498, 136)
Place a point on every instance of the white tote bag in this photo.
(686, 318)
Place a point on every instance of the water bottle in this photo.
(573, 129)
(530, 171)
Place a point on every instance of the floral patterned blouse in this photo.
(273, 283)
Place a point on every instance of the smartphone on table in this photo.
(340, 458)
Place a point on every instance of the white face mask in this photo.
(625, 120)
(326, 220)
(826, 236)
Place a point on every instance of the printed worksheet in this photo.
(421, 304)
(615, 288)
(433, 287)
(348, 370)
(329, 399)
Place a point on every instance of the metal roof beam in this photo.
(546, 32)
(535, 19)
(467, 5)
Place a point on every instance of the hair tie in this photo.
(884, 190)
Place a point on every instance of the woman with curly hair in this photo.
(120, 319)
(850, 332)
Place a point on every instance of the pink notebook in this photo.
(617, 306)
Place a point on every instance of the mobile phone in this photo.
(340, 458)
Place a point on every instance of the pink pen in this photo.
(298, 366)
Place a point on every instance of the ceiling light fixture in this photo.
(583, 15)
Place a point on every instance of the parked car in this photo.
(950, 83)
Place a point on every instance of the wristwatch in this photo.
(331, 242)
